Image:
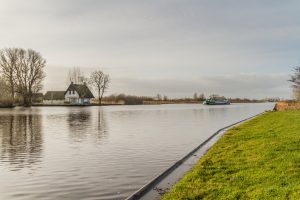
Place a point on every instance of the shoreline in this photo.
(70, 105)
(163, 182)
(256, 160)
(9, 106)
(96, 105)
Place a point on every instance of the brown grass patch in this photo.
(287, 105)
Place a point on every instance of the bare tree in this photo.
(76, 76)
(29, 73)
(295, 80)
(158, 97)
(166, 98)
(23, 71)
(100, 82)
(195, 97)
(5, 97)
(201, 97)
(8, 63)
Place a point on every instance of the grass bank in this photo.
(259, 159)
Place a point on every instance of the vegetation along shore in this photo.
(256, 160)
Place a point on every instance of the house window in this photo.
(73, 91)
(69, 91)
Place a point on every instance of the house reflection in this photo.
(21, 140)
(87, 123)
(79, 123)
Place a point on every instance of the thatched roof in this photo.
(54, 95)
(37, 95)
(82, 90)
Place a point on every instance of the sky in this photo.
(235, 48)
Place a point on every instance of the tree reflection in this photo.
(102, 125)
(21, 140)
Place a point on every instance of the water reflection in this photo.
(100, 152)
(79, 122)
(84, 123)
(21, 140)
(102, 124)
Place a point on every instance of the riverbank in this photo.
(256, 160)
(112, 104)
(71, 105)
(109, 103)
(6, 106)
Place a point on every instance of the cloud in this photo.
(238, 85)
(243, 85)
(159, 40)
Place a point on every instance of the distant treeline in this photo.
(245, 100)
(126, 99)
(159, 99)
(138, 100)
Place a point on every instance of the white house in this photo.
(78, 94)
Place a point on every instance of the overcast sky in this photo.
(236, 48)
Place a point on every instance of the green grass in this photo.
(259, 159)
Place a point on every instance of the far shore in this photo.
(106, 104)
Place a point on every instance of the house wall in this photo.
(74, 96)
(75, 99)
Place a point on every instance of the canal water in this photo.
(101, 152)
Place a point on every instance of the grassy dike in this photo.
(259, 159)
